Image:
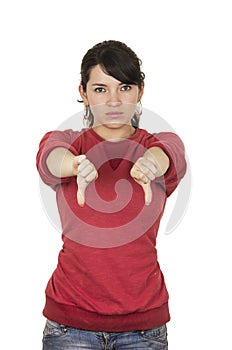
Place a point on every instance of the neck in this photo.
(114, 135)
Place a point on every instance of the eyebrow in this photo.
(101, 84)
(98, 84)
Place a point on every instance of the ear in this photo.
(83, 95)
(141, 91)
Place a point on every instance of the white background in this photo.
(186, 51)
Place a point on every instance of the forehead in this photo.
(97, 75)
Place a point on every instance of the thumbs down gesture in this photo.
(143, 172)
(86, 173)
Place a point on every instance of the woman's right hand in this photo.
(86, 173)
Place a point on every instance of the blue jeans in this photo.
(59, 337)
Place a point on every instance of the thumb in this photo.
(147, 192)
(82, 184)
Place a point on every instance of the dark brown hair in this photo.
(116, 59)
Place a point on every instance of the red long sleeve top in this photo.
(108, 277)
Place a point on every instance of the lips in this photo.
(114, 114)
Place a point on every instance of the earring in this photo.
(136, 117)
(139, 109)
(86, 117)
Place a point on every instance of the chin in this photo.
(115, 125)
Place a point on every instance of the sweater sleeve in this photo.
(173, 146)
(68, 139)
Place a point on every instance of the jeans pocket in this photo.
(54, 329)
(158, 335)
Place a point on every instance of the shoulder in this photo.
(149, 138)
(68, 136)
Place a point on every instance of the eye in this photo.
(126, 88)
(100, 89)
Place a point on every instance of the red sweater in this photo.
(108, 277)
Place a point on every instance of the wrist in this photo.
(160, 158)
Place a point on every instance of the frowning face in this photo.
(112, 102)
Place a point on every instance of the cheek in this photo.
(95, 99)
(132, 98)
(98, 109)
(129, 109)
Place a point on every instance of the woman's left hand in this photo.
(143, 172)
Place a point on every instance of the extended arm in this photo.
(63, 163)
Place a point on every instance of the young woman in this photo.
(112, 180)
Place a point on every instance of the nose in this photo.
(113, 99)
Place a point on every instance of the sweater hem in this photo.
(72, 316)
